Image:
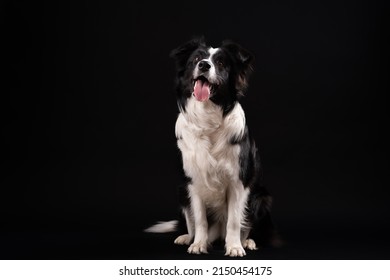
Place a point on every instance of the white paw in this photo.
(235, 251)
(184, 239)
(249, 244)
(198, 248)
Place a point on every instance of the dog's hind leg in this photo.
(186, 239)
(247, 242)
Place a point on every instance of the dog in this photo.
(222, 197)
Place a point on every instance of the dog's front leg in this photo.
(201, 227)
(237, 197)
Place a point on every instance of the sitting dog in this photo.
(222, 197)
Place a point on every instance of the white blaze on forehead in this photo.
(212, 51)
(211, 75)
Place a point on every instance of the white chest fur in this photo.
(209, 158)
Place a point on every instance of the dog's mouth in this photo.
(203, 89)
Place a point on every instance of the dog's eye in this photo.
(220, 63)
(196, 59)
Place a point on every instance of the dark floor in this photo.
(300, 243)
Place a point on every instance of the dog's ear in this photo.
(244, 61)
(183, 52)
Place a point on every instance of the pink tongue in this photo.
(201, 90)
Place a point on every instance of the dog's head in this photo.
(219, 74)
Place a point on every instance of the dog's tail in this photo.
(162, 227)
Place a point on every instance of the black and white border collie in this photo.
(222, 197)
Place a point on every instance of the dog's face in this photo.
(219, 74)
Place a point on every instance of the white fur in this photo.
(212, 163)
(163, 227)
(211, 75)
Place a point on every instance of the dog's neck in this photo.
(205, 116)
(207, 119)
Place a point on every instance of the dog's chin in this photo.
(203, 88)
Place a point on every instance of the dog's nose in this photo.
(204, 66)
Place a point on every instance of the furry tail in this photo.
(162, 227)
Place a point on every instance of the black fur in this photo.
(237, 65)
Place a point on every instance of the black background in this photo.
(88, 116)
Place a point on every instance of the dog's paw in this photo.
(235, 251)
(249, 244)
(184, 239)
(198, 248)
